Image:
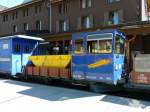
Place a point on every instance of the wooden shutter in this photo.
(121, 18)
(67, 23)
(57, 26)
(106, 18)
(91, 21)
(79, 23)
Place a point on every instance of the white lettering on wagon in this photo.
(5, 59)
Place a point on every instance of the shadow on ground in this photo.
(51, 93)
(126, 101)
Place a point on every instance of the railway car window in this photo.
(79, 46)
(119, 45)
(92, 47)
(17, 48)
(26, 49)
(57, 48)
(105, 46)
(100, 46)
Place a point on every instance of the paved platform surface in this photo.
(27, 97)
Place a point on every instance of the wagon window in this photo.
(119, 45)
(26, 49)
(92, 47)
(17, 48)
(105, 46)
(100, 46)
(79, 46)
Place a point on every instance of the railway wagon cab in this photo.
(98, 56)
(14, 52)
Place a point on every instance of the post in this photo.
(128, 56)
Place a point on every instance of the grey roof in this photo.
(25, 1)
(2, 7)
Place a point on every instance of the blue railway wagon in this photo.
(14, 52)
(98, 56)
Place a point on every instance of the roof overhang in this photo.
(137, 28)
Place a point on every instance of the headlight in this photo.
(118, 66)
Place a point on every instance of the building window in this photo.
(87, 22)
(5, 18)
(38, 25)
(113, 17)
(63, 7)
(37, 9)
(15, 29)
(14, 15)
(112, 1)
(26, 26)
(25, 12)
(86, 3)
(64, 25)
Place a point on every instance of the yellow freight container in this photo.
(55, 61)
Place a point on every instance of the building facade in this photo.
(31, 17)
(62, 16)
(71, 15)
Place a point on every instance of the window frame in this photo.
(17, 48)
(85, 4)
(100, 39)
(121, 53)
(81, 52)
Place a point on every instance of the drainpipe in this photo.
(50, 14)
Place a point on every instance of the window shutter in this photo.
(120, 12)
(106, 18)
(91, 21)
(67, 24)
(83, 3)
(79, 23)
(57, 26)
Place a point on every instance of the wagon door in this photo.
(16, 57)
(99, 58)
(27, 49)
(119, 56)
(78, 61)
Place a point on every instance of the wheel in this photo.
(104, 88)
(96, 88)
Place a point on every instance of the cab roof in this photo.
(113, 31)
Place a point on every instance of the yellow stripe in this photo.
(99, 63)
